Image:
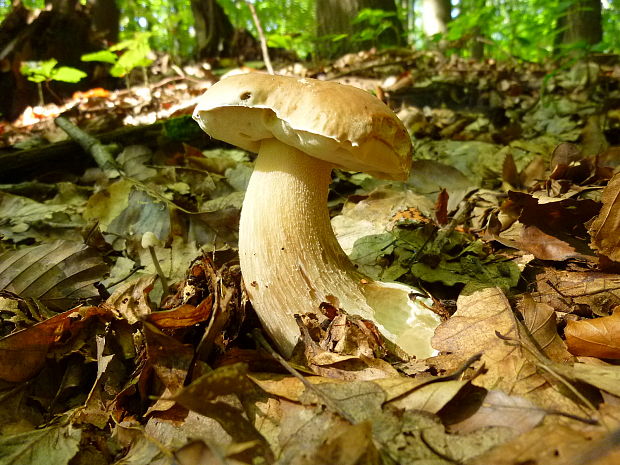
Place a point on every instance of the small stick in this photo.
(261, 36)
(91, 145)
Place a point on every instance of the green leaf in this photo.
(68, 74)
(105, 56)
(37, 78)
(54, 445)
(368, 250)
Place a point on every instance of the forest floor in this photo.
(509, 220)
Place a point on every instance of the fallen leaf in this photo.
(131, 299)
(23, 353)
(58, 273)
(558, 247)
(605, 377)
(583, 293)
(501, 409)
(540, 320)
(549, 444)
(604, 229)
(182, 316)
(597, 337)
(476, 326)
(53, 445)
(432, 397)
(347, 445)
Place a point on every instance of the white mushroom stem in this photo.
(291, 261)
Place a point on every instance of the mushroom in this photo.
(290, 259)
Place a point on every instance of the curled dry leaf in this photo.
(23, 354)
(182, 316)
(604, 229)
(473, 328)
(131, 300)
(598, 337)
(342, 346)
(540, 320)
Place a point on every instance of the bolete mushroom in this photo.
(290, 259)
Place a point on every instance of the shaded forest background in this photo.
(106, 39)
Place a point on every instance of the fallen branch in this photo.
(91, 145)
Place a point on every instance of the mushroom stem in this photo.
(291, 261)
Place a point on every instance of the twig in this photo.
(329, 402)
(455, 375)
(90, 144)
(261, 36)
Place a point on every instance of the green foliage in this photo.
(433, 256)
(170, 23)
(372, 23)
(287, 24)
(135, 53)
(526, 29)
(45, 71)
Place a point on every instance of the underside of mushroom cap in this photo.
(337, 123)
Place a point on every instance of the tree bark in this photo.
(335, 17)
(214, 31)
(583, 22)
(436, 15)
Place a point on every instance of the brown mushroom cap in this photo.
(336, 123)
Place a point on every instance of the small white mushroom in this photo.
(290, 259)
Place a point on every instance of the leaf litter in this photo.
(508, 221)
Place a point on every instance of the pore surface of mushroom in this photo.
(290, 259)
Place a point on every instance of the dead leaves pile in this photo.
(514, 233)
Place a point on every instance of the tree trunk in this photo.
(583, 22)
(335, 17)
(214, 31)
(105, 17)
(435, 16)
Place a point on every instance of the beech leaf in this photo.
(605, 227)
(598, 337)
(57, 273)
(54, 445)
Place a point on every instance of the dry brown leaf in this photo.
(500, 409)
(546, 246)
(598, 337)
(348, 445)
(182, 316)
(23, 354)
(548, 444)
(605, 227)
(583, 293)
(605, 377)
(287, 387)
(432, 397)
(540, 320)
(474, 328)
(170, 361)
(131, 299)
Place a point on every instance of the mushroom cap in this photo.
(337, 123)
